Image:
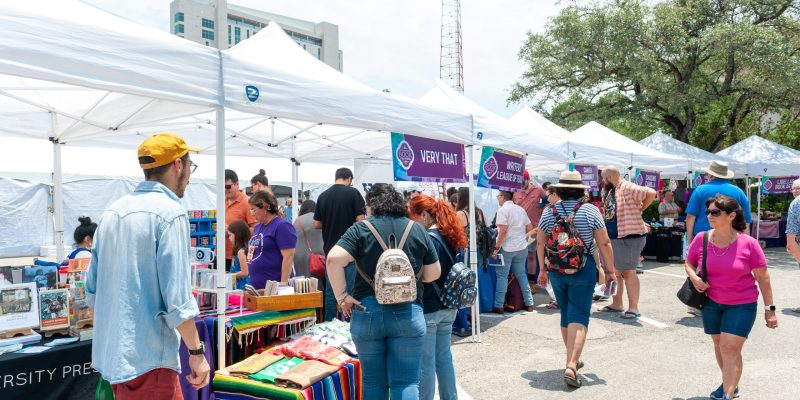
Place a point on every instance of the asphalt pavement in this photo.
(664, 355)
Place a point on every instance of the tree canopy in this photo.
(708, 72)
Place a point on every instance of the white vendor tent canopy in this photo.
(697, 158)
(637, 155)
(764, 157)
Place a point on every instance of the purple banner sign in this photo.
(427, 160)
(501, 169)
(589, 176)
(647, 178)
(777, 184)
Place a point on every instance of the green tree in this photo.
(704, 71)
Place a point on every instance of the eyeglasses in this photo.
(714, 213)
(228, 187)
(192, 166)
(254, 209)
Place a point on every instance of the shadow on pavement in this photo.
(790, 312)
(553, 380)
(691, 398)
(691, 322)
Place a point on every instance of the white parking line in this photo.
(646, 320)
(665, 274)
(462, 394)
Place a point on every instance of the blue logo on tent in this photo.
(480, 135)
(252, 93)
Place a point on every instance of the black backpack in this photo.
(459, 289)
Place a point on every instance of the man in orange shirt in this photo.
(531, 200)
(236, 209)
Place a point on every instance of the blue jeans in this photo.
(330, 299)
(437, 360)
(574, 293)
(389, 339)
(515, 263)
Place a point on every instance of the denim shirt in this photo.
(139, 280)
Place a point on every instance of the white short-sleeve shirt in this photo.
(516, 219)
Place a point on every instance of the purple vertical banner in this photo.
(501, 169)
(777, 184)
(427, 160)
(589, 176)
(647, 178)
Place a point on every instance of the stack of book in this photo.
(81, 334)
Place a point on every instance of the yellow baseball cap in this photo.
(164, 148)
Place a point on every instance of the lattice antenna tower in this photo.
(451, 60)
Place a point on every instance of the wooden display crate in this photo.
(283, 303)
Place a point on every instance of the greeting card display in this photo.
(45, 277)
(54, 309)
(76, 269)
(19, 306)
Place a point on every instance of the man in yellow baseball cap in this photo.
(140, 268)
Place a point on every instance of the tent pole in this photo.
(58, 199)
(222, 298)
(758, 213)
(295, 179)
(473, 247)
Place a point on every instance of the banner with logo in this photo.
(501, 169)
(700, 178)
(777, 184)
(427, 160)
(589, 176)
(649, 179)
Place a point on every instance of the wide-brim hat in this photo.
(570, 179)
(719, 169)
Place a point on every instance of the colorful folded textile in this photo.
(264, 318)
(305, 374)
(253, 364)
(273, 371)
(344, 384)
(310, 349)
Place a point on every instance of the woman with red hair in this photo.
(448, 237)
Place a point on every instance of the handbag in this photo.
(316, 262)
(688, 294)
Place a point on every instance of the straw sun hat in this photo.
(570, 179)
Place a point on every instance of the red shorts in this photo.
(161, 383)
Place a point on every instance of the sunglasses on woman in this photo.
(714, 213)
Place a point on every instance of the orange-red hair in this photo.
(446, 219)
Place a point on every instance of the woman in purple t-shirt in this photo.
(734, 262)
(270, 252)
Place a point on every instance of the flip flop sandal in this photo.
(610, 309)
(579, 365)
(570, 381)
(630, 315)
(552, 306)
(797, 310)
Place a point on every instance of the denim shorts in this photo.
(574, 293)
(732, 319)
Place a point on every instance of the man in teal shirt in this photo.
(696, 218)
(139, 280)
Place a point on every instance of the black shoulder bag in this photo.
(688, 294)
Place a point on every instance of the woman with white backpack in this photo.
(448, 237)
(393, 256)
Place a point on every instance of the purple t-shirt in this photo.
(730, 276)
(264, 256)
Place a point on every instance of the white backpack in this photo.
(395, 281)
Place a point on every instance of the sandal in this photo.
(797, 310)
(579, 365)
(610, 309)
(570, 381)
(630, 315)
(552, 306)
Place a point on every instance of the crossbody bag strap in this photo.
(703, 272)
(449, 256)
(308, 244)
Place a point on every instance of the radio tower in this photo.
(451, 62)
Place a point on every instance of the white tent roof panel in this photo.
(764, 157)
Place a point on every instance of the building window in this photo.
(319, 54)
(179, 28)
(248, 33)
(208, 35)
(207, 23)
(179, 17)
(229, 35)
(237, 35)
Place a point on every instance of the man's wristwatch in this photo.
(769, 308)
(201, 351)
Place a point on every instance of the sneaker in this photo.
(720, 395)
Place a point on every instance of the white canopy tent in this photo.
(764, 157)
(636, 155)
(697, 158)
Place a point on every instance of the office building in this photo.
(218, 24)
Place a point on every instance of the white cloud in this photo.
(395, 44)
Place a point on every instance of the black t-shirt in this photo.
(337, 209)
(361, 244)
(430, 300)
